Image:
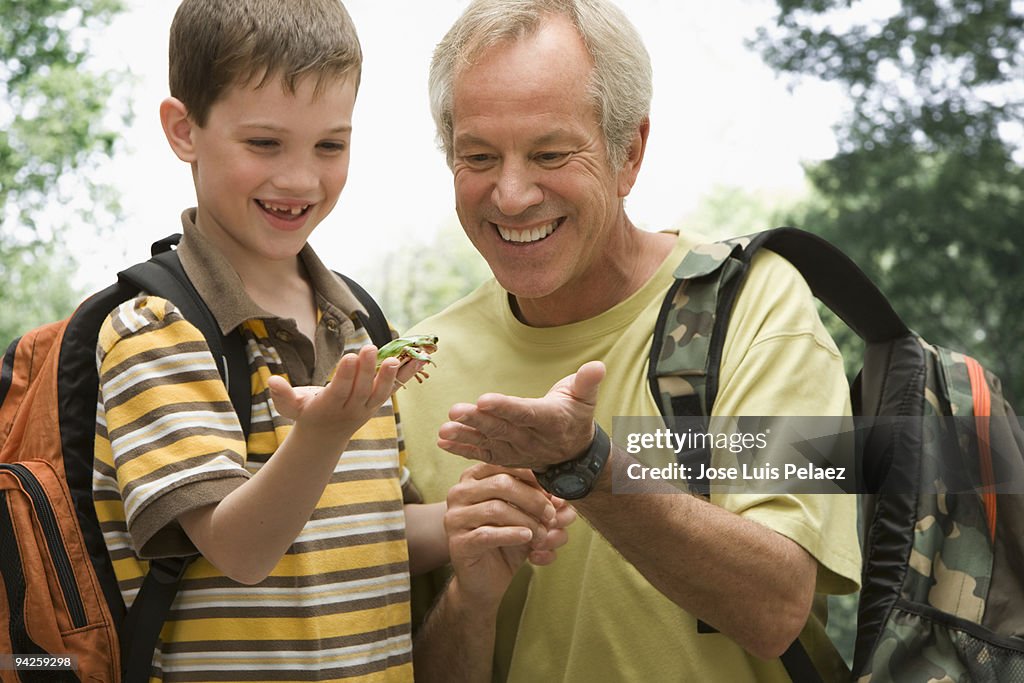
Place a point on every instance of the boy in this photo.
(303, 566)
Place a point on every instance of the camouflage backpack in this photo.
(939, 454)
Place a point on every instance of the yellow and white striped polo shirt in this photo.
(336, 607)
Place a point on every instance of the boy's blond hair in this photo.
(218, 44)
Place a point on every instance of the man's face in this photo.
(533, 187)
(269, 165)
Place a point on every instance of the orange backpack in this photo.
(59, 596)
(66, 619)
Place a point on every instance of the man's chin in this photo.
(524, 290)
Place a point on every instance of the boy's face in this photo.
(269, 165)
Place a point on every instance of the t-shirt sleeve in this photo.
(175, 441)
(779, 360)
(410, 494)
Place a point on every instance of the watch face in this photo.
(574, 478)
(570, 486)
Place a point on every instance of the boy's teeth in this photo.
(527, 235)
(293, 210)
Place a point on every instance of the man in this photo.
(542, 109)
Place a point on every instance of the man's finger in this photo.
(465, 450)
(484, 470)
(494, 427)
(541, 558)
(504, 487)
(461, 433)
(493, 513)
(519, 411)
(489, 537)
(553, 539)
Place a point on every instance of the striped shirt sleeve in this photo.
(174, 436)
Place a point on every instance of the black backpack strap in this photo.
(164, 276)
(832, 276)
(374, 322)
(703, 297)
(7, 369)
(799, 665)
(836, 280)
(141, 627)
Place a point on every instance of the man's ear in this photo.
(634, 157)
(178, 128)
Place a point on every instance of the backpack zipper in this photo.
(51, 532)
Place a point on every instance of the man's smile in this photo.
(525, 235)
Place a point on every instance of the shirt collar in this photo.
(221, 288)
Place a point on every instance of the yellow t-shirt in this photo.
(591, 615)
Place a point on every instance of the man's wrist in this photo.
(473, 607)
(575, 478)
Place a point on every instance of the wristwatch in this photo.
(575, 478)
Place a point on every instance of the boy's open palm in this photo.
(351, 398)
(249, 530)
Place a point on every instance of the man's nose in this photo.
(515, 189)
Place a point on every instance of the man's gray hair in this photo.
(620, 83)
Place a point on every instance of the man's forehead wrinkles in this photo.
(551, 137)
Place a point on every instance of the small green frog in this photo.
(418, 347)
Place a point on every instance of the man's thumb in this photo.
(586, 380)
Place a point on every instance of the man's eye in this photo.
(552, 157)
(477, 160)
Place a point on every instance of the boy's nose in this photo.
(296, 176)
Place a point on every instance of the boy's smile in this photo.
(269, 165)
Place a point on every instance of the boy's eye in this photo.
(332, 146)
(261, 143)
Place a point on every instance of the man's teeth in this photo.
(277, 208)
(527, 235)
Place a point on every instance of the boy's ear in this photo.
(178, 128)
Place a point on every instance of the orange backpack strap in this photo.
(22, 363)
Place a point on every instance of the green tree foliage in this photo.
(927, 189)
(55, 127)
(729, 211)
(418, 280)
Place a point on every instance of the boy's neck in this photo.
(286, 294)
(279, 286)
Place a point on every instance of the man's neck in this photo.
(603, 287)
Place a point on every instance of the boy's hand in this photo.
(351, 398)
(409, 368)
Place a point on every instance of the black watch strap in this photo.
(573, 479)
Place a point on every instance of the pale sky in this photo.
(719, 117)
